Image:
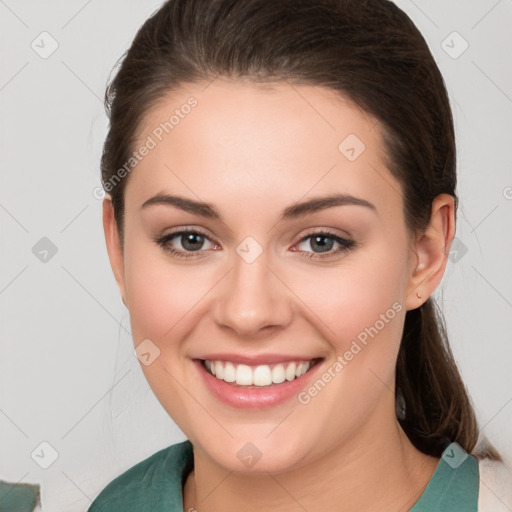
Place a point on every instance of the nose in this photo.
(252, 300)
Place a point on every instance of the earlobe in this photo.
(114, 246)
(431, 249)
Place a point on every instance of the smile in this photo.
(256, 383)
(260, 375)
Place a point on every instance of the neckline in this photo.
(453, 485)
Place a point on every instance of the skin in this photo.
(251, 151)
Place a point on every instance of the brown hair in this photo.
(370, 52)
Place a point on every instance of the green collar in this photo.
(156, 483)
(454, 484)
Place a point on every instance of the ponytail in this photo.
(433, 406)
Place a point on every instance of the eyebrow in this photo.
(294, 211)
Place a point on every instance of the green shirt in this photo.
(155, 484)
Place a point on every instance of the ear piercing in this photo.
(418, 294)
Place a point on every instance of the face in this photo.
(256, 280)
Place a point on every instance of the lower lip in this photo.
(244, 397)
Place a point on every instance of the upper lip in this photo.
(261, 359)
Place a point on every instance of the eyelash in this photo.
(345, 244)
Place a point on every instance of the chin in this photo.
(256, 454)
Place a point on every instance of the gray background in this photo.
(67, 373)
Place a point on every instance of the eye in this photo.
(191, 241)
(324, 241)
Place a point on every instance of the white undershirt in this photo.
(495, 490)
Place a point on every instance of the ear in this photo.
(114, 246)
(430, 252)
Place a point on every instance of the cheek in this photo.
(360, 311)
(362, 290)
(160, 294)
(359, 308)
(343, 300)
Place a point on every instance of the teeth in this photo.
(229, 372)
(243, 374)
(278, 374)
(290, 371)
(262, 375)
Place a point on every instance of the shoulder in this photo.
(495, 488)
(153, 481)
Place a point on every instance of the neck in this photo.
(375, 470)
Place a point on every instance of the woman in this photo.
(281, 204)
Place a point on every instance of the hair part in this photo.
(369, 52)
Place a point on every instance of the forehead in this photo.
(245, 141)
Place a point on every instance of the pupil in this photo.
(189, 239)
(324, 247)
(194, 241)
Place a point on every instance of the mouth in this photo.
(258, 376)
